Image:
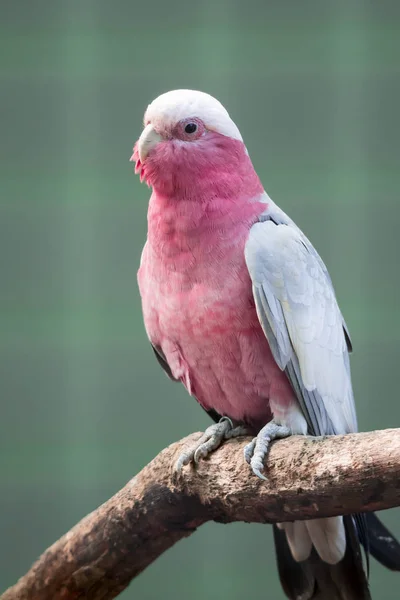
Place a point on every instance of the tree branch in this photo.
(307, 478)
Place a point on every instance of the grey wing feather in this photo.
(279, 217)
(298, 312)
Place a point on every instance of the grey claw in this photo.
(201, 452)
(212, 439)
(257, 465)
(182, 461)
(209, 441)
(187, 455)
(249, 450)
(259, 474)
(256, 451)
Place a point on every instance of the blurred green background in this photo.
(315, 89)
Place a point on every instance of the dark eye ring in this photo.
(190, 128)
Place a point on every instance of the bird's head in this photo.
(188, 139)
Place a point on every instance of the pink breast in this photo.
(213, 342)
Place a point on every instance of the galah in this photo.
(240, 308)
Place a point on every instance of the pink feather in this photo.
(196, 291)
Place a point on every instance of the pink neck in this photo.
(203, 201)
(220, 168)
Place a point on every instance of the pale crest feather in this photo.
(176, 105)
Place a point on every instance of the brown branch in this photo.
(308, 477)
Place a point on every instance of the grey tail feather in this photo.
(383, 546)
(313, 579)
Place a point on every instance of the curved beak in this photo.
(147, 141)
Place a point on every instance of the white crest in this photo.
(176, 105)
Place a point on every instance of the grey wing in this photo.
(279, 217)
(299, 314)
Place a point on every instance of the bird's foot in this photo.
(256, 451)
(211, 439)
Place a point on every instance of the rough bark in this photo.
(307, 478)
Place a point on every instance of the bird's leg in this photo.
(256, 451)
(211, 439)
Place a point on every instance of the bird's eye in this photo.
(191, 128)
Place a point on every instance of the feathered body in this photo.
(240, 308)
(197, 295)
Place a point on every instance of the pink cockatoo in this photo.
(240, 308)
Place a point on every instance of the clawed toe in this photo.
(255, 458)
(249, 450)
(185, 458)
(257, 466)
(210, 441)
(208, 446)
(256, 451)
